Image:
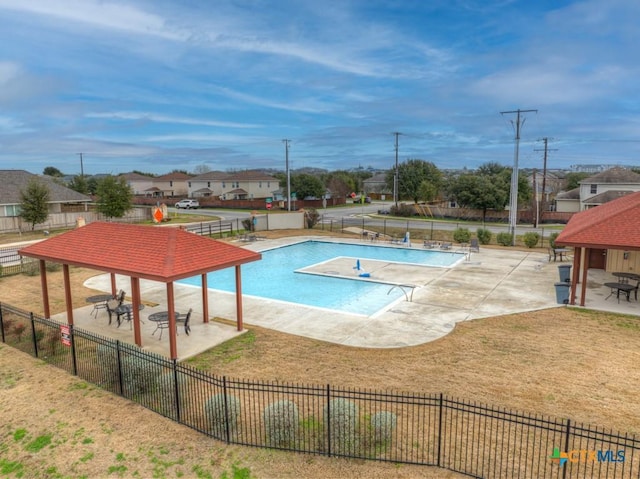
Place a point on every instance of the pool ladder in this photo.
(411, 287)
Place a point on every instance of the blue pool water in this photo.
(275, 277)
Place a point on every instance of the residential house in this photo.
(172, 184)
(14, 182)
(243, 185)
(140, 185)
(599, 189)
(377, 185)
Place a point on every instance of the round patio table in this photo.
(99, 301)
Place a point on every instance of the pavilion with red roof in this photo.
(605, 237)
(163, 254)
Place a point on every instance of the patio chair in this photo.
(184, 318)
(111, 306)
(474, 245)
(120, 296)
(429, 244)
(445, 245)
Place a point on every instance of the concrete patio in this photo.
(492, 282)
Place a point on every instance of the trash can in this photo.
(565, 272)
(562, 292)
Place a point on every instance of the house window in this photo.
(259, 184)
(268, 184)
(594, 189)
(223, 185)
(208, 184)
(171, 183)
(12, 210)
(189, 184)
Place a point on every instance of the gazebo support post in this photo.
(205, 299)
(135, 296)
(585, 273)
(114, 288)
(45, 289)
(575, 274)
(67, 293)
(173, 348)
(239, 324)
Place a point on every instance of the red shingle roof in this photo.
(613, 225)
(149, 252)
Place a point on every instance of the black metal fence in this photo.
(424, 429)
(218, 229)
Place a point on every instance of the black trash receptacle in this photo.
(562, 292)
(565, 272)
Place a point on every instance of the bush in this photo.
(281, 423)
(383, 424)
(531, 239)
(402, 209)
(504, 239)
(484, 236)
(311, 217)
(139, 375)
(461, 235)
(552, 239)
(342, 417)
(247, 224)
(215, 412)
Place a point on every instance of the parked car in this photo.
(187, 204)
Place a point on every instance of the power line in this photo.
(513, 203)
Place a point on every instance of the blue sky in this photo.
(157, 85)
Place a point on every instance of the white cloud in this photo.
(137, 116)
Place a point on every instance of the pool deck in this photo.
(490, 283)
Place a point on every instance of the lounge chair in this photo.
(445, 245)
(429, 244)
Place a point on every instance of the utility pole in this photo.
(535, 200)
(81, 166)
(544, 170)
(395, 175)
(513, 203)
(286, 156)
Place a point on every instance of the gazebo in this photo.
(605, 237)
(163, 254)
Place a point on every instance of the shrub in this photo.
(215, 412)
(552, 239)
(342, 417)
(311, 217)
(53, 267)
(281, 423)
(531, 239)
(383, 424)
(402, 209)
(139, 375)
(166, 394)
(461, 235)
(247, 224)
(504, 239)
(30, 268)
(484, 236)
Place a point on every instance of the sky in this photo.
(103, 86)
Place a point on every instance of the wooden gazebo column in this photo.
(585, 272)
(67, 293)
(575, 274)
(171, 308)
(205, 299)
(239, 324)
(135, 297)
(44, 287)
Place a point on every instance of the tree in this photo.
(114, 197)
(52, 171)
(79, 183)
(304, 185)
(574, 179)
(341, 183)
(201, 169)
(34, 207)
(417, 180)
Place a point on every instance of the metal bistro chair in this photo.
(184, 318)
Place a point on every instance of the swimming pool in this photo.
(275, 276)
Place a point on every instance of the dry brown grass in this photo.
(561, 362)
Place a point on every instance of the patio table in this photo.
(162, 320)
(126, 309)
(99, 301)
(616, 288)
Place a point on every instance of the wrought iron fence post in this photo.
(2, 324)
(177, 388)
(33, 335)
(73, 350)
(328, 420)
(566, 446)
(119, 359)
(226, 410)
(440, 406)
